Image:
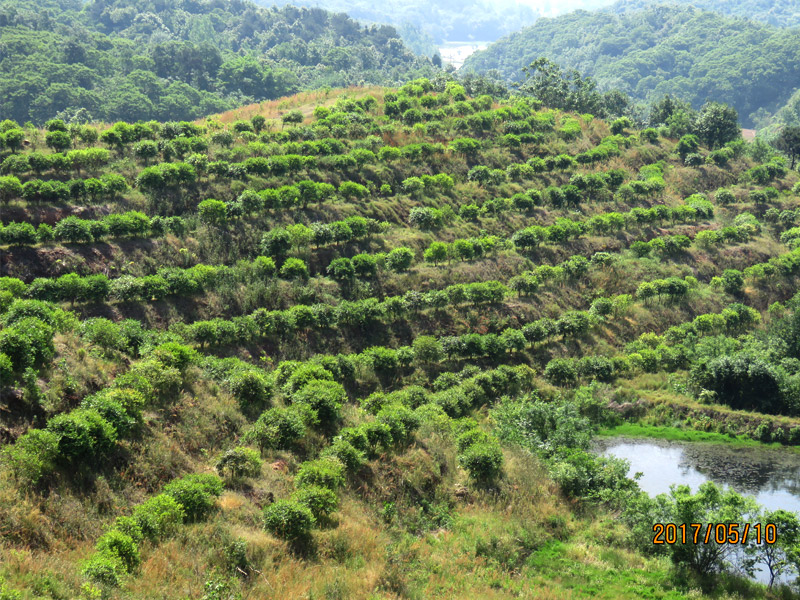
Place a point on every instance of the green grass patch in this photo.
(676, 434)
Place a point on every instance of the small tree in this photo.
(717, 124)
(213, 212)
(293, 116)
(294, 268)
(10, 187)
(319, 500)
(57, 140)
(400, 259)
(436, 253)
(780, 557)
(788, 142)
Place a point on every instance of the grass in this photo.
(676, 434)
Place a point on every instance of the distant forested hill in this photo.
(442, 20)
(780, 13)
(694, 54)
(137, 59)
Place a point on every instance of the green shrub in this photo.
(155, 380)
(239, 462)
(250, 388)
(401, 420)
(196, 493)
(84, 436)
(111, 410)
(300, 375)
(17, 348)
(117, 544)
(294, 268)
(33, 456)
(349, 456)
(104, 569)
(483, 461)
(325, 398)
(325, 472)
(277, 429)
(130, 527)
(289, 520)
(320, 501)
(175, 355)
(159, 516)
(472, 437)
(6, 370)
(399, 259)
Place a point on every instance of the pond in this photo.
(771, 475)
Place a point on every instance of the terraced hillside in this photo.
(354, 344)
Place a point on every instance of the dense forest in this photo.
(131, 60)
(779, 13)
(682, 51)
(356, 344)
(442, 20)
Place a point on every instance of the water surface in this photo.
(771, 475)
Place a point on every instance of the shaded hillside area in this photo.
(689, 53)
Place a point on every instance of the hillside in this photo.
(686, 52)
(356, 344)
(442, 20)
(778, 13)
(138, 60)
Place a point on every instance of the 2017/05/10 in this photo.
(720, 533)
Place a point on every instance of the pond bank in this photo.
(676, 434)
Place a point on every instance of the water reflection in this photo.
(772, 476)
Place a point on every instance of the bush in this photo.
(483, 461)
(196, 493)
(130, 527)
(175, 355)
(294, 268)
(117, 544)
(104, 569)
(289, 520)
(6, 370)
(154, 380)
(325, 398)
(84, 436)
(325, 472)
(277, 429)
(401, 421)
(112, 411)
(320, 501)
(379, 437)
(399, 259)
(159, 516)
(33, 456)
(250, 388)
(297, 375)
(561, 371)
(344, 452)
(239, 462)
